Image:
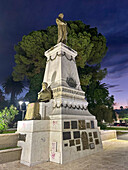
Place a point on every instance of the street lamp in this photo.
(26, 103)
(20, 103)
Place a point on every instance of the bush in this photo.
(102, 126)
(6, 117)
(3, 125)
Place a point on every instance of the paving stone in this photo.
(114, 156)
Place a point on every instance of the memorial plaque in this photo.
(95, 135)
(77, 141)
(92, 125)
(88, 125)
(78, 148)
(84, 139)
(90, 139)
(73, 124)
(72, 143)
(66, 135)
(82, 124)
(90, 134)
(76, 134)
(66, 144)
(96, 141)
(66, 125)
(92, 146)
(22, 137)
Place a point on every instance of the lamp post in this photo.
(20, 103)
(26, 104)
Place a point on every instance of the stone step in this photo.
(8, 140)
(10, 155)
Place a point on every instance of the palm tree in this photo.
(12, 87)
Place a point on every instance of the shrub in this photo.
(6, 117)
(102, 126)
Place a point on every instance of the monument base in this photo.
(67, 130)
(73, 139)
(59, 141)
(35, 147)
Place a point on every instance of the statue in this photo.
(45, 94)
(62, 29)
(33, 108)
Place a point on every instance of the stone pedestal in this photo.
(70, 131)
(73, 130)
(35, 147)
(70, 141)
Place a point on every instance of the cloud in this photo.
(112, 86)
(118, 91)
(116, 60)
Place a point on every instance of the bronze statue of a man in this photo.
(45, 94)
(62, 29)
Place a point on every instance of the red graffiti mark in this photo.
(54, 123)
(53, 155)
(23, 125)
(31, 105)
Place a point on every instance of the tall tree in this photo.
(3, 102)
(30, 59)
(100, 103)
(12, 87)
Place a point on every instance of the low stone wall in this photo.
(9, 155)
(108, 134)
(8, 140)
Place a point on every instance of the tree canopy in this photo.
(91, 47)
(30, 59)
(100, 103)
(12, 87)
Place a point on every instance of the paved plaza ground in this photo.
(113, 157)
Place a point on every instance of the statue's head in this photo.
(44, 85)
(61, 15)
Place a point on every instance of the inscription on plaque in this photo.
(22, 137)
(74, 124)
(84, 139)
(77, 141)
(92, 124)
(88, 125)
(66, 125)
(76, 134)
(72, 143)
(96, 141)
(95, 135)
(66, 135)
(78, 148)
(82, 124)
(90, 134)
(92, 146)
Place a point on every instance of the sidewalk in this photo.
(113, 157)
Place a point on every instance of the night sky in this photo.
(20, 17)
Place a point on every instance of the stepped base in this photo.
(10, 155)
(58, 140)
